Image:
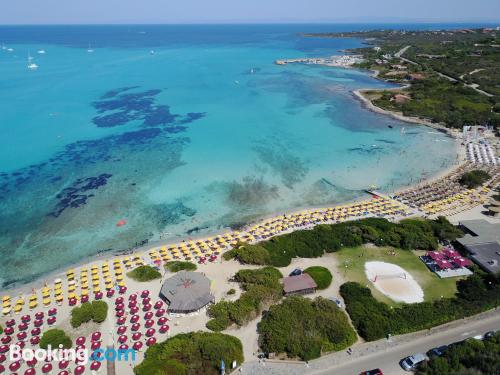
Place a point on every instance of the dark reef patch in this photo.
(388, 141)
(367, 149)
(76, 195)
(250, 192)
(171, 213)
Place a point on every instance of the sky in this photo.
(245, 11)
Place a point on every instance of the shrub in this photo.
(191, 353)
(144, 273)
(261, 287)
(374, 319)
(321, 275)
(303, 328)
(54, 338)
(95, 311)
(231, 291)
(178, 265)
(474, 178)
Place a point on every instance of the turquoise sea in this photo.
(181, 131)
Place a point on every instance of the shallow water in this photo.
(202, 134)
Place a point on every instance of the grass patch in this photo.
(355, 259)
(321, 275)
(144, 273)
(179, 265)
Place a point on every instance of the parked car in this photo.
(411, 362)
(489, 334)
(376, 371)
(296, 272)
(338, 302)
(438, 351)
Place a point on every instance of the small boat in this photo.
(90, 50)
(152, 52)
(390, 126)
(251, 71)
(236, 82)
(41, 52)
(10, 49)
(31, 64)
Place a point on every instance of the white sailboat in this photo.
(41, 52)
(31, 64)
(90, 50)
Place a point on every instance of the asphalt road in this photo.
(388, 360)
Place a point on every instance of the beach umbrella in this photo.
(149, 323)
(151, 341)
(132, 297)
(72, 301)
(3, 358)
(94, 366)
(21, 344)
(98, 295)
(96, 336)
(136, 336)
(119, 300)
(47, 368)
(137, 345)
(146, 307)
(10, 323)
(150, 332)
(8, 330)
(63, 364)
(145, 293)
(123, 289)
(132, 303)
(14, 366)
(134, 310)
(160, 312)
(35, 331)
(32, 362)
(462, 262)
(80, 347)
(21, 336)
(135, 327)
(30, 371)
(164, 328)
(162, 321)
(84, 298)
(4, 348)
(80, 340)
(148, 315)
(52, 311)
(79, 370)
(121, 320)
(22, 326)
(35, 340)
(110, 293)
(120, 313)
(146, 301)
(134, 318)
(39, 315)
(6, 339)
(2, 369)
(122, 339)
(95, 345)
(121, 330)
(119, 306)
(38, 323)
(25, 318)
(51, 320)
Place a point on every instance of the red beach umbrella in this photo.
(21, 335)
(134, 318)
(47, 368)
(79, 370)
(35, 331)
(123, 347)
(119, 300)
(39, 315)
(14, 366)
(132, 297)
(121, 330)
(149, 323)
(120, 313)
(38, 323)
(21, 344)
(51, 320)
(145, 293)
(136, 336)
(35, 340)
(63, 364)
(123, 290)
(84, 298)
(137, 345)
(164, 328)
(2, 369)
(94, 366)
(71, 302)
(110, 293)
(132, 303)
(160, 312)
(162, 321)
(63, 372)
(148, 315)
(30, 371)
(25, 318)
(98, 295)
(8, 330)
(146, 301)
(122, 339)
(23, 326)
(135, 327)
(151, 341)
(3, 358)
(134, 310)
(10, 323)
(53, 311)
(150, 332)
(119, 306)
(6, 339)
(96, 336)
(121, 320)
(158, 305)
(95, 345)
(146, 307)
(4, 348)
(32, 362)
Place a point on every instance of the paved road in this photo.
(383, 354)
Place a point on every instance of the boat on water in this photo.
(31, 64)
(10, 49)
(90, 50)
(41, 52)
(152, 52)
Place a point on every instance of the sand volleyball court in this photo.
(394, 282)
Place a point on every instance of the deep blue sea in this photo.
(181, 131)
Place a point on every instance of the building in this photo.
(482, 242)
(300, 284)
(186, 292)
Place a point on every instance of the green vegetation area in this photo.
(374, 319)
(144, 273)
(321, 276)
(190, 354)
(95, 311)
(407, 234)
(231, 291)
(1, 329)
(478, 357)
(351, 265)
(305, 328)
(179, 265)
(466, 57)
(261, 287)
(55, 337)
(474, 178)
